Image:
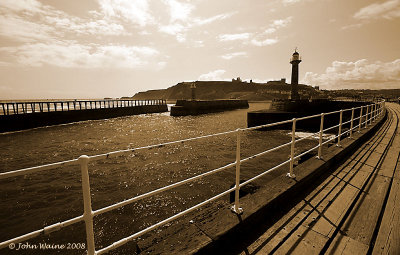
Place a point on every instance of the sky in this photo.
(115, 48)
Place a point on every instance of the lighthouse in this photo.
(295, 61)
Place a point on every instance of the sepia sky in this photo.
(106, 48)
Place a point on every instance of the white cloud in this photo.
(34, 22)
(287, 2)
(262, 38)
(70, 54)
(136, 12)
(172, 29)
(388, 10)
(234, 55)
(178, 10)
(23, 30)
(234, 37)
(270, 30)
(32, 6)
(213, 76)
(199, 21)
(268, 41)
(360, 73)
(281, 22)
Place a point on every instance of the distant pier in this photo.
(25, 115)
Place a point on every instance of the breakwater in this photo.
(194, 107)
(281, 110)
(25, 115)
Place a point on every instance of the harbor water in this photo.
(37, 200)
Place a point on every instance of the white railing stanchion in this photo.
(366, 117)
(291, 174)
(236, 207)
(372, 111)
(351, 123)
(340, 128)
(360, 122)
(87, 204)
(321, 131)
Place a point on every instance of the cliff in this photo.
(208, 90)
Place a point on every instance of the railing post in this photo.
(321, 131)
(87, 204)
(236, 207)
(366, 117)
(291, 174)
(374, 115)
(340, 128)
(370, 118)
(351, 123)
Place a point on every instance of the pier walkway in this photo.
(356, 210)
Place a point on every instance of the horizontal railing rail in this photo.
(11, 108)
(365, 119)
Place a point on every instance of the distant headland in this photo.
(253, 91)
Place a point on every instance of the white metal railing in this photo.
(372, 112)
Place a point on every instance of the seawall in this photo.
(285, 110)
(194, 107)
(40, 119)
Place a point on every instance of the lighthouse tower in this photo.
(295, 61)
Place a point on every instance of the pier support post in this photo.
(236, 207)
(87, 204)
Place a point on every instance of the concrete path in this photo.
(356, 210)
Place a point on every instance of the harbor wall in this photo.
(41, 119)
(287, 110)
(194, 107)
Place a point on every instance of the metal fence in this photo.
(368, 114)
(10, 108)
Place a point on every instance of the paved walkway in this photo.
(356, 210)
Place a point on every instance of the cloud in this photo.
(35, 22)
(23, 30)
(178, 10)
(200, 22)
(288, 2)
(234, 55)
(388, 10)
(262, 38)
(180, 25)
(234, 37)
(31, 6)
(358, 74)
(70, 54)
(137, 12)
(281, 22)
(213, 76)
(172, 29)
(265, 42)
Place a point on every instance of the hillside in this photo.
(208, 90)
